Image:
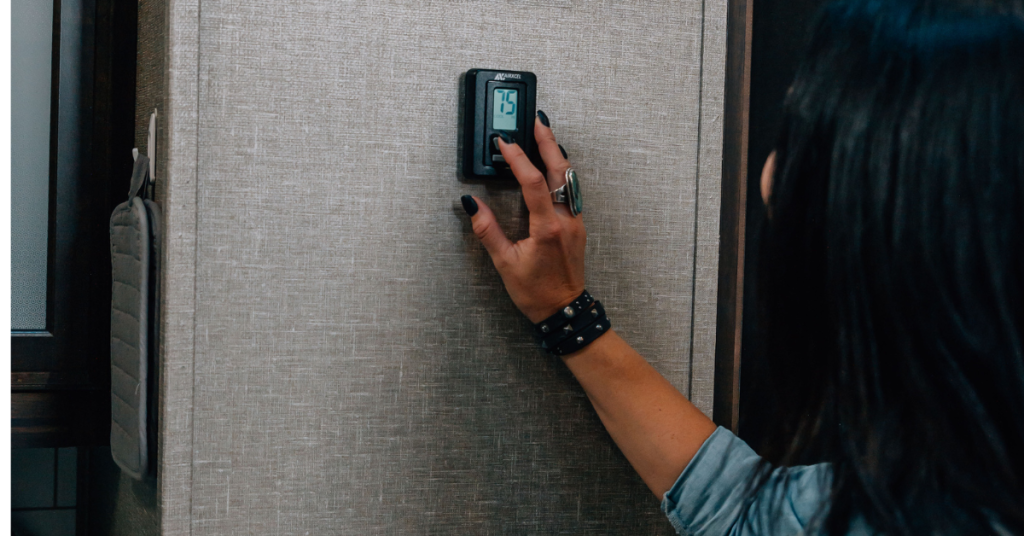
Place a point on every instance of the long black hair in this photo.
(891, 276)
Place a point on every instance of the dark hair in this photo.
(891, 276)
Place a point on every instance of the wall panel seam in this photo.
(696, 203)
(195, 262)
(179, 80)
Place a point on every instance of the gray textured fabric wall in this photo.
(339, 355)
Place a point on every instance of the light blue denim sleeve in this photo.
(709, 498)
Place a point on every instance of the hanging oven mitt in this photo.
(134, 254)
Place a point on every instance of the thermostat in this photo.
(497, 101)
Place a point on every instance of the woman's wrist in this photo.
(572, 328)
(538, 313)
(598, 347)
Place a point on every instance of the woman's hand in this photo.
(544, 272)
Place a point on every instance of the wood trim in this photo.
(58, 418)
(736, 137)
(39, 381)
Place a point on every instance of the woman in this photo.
(892, 291)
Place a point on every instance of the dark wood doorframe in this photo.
(778, 34)
(60, 377)
(764, 45)
(732, 244)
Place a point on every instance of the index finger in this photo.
(535, 186)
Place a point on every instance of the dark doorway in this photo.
(779, 33)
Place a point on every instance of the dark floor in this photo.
(43, 491)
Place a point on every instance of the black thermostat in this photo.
(497, 101)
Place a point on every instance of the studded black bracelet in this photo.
(561, 318)
(578, 323)
(575, 326)
(587, 336)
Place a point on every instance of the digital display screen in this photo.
(505, 113)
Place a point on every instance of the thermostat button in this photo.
(496, 155)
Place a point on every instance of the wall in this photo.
(339, 355)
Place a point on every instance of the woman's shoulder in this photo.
(713, 494)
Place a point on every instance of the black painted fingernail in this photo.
(543, 118)
(469, 204)
(505, 137)
(564, 154)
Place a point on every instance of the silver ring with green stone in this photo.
(569, 193)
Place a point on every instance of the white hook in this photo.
(151, 146)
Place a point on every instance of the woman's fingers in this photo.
(553, 155)
(535, 186)
(486, 228)
(550, 152)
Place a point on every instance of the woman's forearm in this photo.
(654, 425)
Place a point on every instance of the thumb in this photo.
(486, 228)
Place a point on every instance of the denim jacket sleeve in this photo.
(710, 496)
